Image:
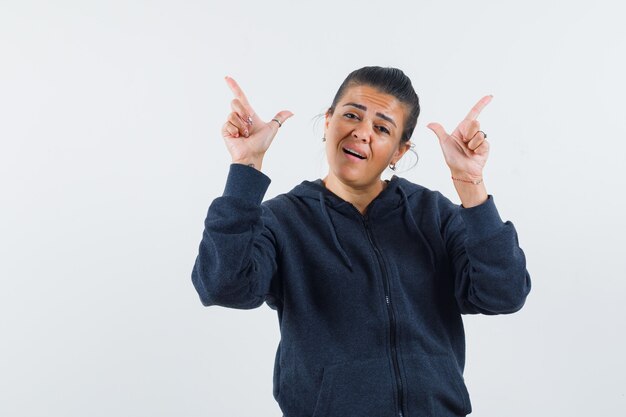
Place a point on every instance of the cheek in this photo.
(337, 127)
(384, 150)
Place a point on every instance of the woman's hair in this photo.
(390, 81)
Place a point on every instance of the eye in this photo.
(384, 130)
(351, 116)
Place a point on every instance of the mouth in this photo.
(354, 153)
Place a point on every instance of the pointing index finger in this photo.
(237, 91)
(478, 107)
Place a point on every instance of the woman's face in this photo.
(363, 135)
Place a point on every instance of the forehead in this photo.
(374, 100)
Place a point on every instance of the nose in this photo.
(362, 133)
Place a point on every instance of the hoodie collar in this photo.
(389, 197)
(394, 196)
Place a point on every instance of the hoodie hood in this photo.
(387, 197)
(393, 200)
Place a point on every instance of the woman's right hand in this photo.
(247, 137)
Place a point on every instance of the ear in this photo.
(402, 149)
(327, 117)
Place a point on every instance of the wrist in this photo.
(464, 177)
(467, 181)
(471, 194)
(254, 162)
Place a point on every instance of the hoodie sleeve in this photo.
(236, 261)
(490, 275)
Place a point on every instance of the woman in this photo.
(369, 277)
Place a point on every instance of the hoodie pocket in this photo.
(435, 387)
(359, 388)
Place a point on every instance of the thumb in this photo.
(439, 130)
(281, 116)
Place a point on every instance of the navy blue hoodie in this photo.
(369, 306)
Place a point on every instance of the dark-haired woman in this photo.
(369, 278)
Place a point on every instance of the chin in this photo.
(355, 177)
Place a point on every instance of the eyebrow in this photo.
(381, 115)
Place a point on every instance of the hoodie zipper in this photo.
(392, 319)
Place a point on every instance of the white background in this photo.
(110, 117)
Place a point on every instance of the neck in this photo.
(359, 196)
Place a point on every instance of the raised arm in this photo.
(489, 266)
(236, 261)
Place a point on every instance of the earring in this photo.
(324, 139)
(392, 166)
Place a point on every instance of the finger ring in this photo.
(484, 134)
(279, 123)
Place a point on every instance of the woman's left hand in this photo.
(465, 149)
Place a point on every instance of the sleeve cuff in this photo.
(483, 220)
(246, 183)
